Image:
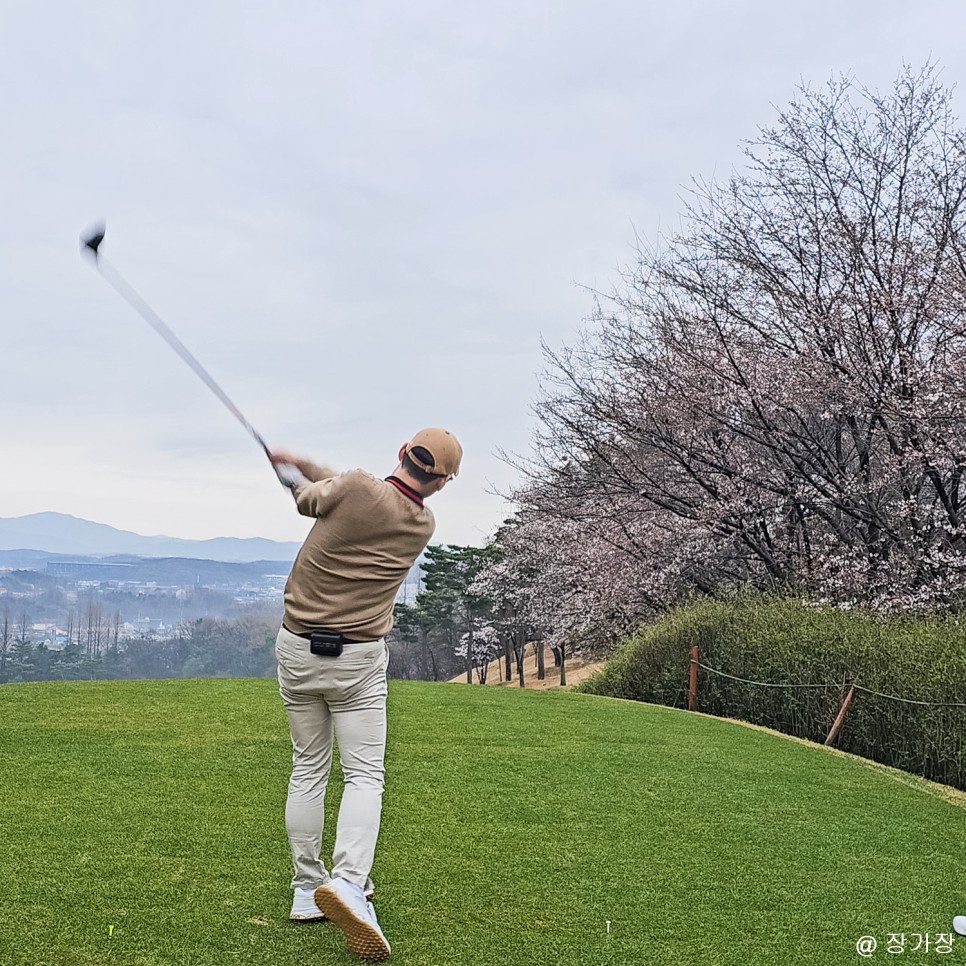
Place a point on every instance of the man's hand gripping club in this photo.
(289, 469)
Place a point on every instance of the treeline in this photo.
(466, 617)
(462, 620)
(456, 625)
(208, 647)
(774, 396)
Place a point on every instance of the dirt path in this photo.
(577, 670)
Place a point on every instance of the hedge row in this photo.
(789, 642)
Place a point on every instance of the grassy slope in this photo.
(516, 824)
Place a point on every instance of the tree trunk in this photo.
(563, 665)
(541, 666)
(4, 644)
(427, 648)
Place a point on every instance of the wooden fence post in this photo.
(840, 718)
(693, 685)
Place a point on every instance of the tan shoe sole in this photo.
(361, 936)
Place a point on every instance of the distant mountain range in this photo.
(61, 533)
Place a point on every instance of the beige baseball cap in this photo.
(442, 445)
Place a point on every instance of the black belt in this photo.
(349, 640)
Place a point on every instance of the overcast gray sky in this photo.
(362, 218)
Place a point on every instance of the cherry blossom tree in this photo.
(480, 644)
(776, 394)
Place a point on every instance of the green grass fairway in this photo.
(516, 825)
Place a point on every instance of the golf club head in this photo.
(92, 238)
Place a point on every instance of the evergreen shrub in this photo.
(781, 642)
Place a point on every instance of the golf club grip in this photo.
(288, 475)
(117, 282)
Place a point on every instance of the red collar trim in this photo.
(405, 489)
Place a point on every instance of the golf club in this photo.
(91, 243)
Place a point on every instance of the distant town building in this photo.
(85, 570)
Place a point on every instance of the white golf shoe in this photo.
(344, 903)
(304, 908)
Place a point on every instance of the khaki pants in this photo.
(345, 695)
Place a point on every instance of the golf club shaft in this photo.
(121, 286)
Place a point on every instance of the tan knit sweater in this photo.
(366, 537)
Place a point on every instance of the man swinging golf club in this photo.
(331, 648)
(332, 662)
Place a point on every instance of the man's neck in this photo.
(400, 474)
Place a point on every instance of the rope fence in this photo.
(851, 688)
(839, 686)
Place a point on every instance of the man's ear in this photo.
(402, 452)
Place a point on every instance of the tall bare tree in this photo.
(777, 393)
